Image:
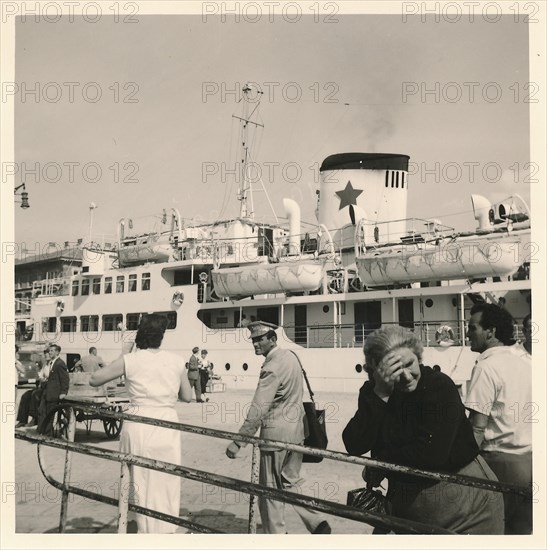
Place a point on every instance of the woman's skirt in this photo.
(152, 489)
(460, 508)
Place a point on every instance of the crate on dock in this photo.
(215, 387)
(79, 386)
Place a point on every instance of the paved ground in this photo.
(38, 503)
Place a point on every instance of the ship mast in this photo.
(244, 194)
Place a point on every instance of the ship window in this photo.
(397, 180)
(89, 323)
(387, 178)
(145, 281)
(111, 322)
(49, 324)
(85, 287)
(429, 302)
(171, 318)
(75, 287)
(68, 324)
(132, 321)
(402, 180)
(182, 277)
(18, 303)
(132, 283)
(120, 283)
(108, 285)
(97, 285)
(392, 179)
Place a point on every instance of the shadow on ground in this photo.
(86, 525)
(217, 519)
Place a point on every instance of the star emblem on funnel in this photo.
(348, 196)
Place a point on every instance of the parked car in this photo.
(31, 357)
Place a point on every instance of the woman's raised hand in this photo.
(386, 373)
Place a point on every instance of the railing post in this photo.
(68, 467)
(255, 466)
(123, 498)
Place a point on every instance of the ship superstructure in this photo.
(363, 263)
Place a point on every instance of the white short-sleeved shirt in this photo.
(501, 388)
(153, 377)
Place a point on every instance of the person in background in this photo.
(19, 367)
(499, 399)
(279, 390)
(154, 378)
(193, 373)
(89, 363)
(204, 373)
(55, 389)
(527, 333)
(411, 415)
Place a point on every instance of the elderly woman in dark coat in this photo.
(410, 414)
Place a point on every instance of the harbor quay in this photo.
(38, 504)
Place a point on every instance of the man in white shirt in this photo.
(501, 409)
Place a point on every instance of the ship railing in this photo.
(253, 488)
(333, 335)
(58, 286)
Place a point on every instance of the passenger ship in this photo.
(362, 264)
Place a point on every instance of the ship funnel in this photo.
(481, 211)
(293, 214)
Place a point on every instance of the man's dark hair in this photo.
(92, 349)
(151, 330)
(498, 318)
(55, 346)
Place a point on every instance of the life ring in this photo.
(444, 335)
(178, 297)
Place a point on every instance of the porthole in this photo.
(429, 302)
(227, 366)
(326, 309)
(358, 368)
(245, 366)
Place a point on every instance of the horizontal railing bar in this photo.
(114, 502)
(341, 510)
(498, 486)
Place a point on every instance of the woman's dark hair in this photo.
(495, 317)
(150, 331)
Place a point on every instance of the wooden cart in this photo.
(111, 397)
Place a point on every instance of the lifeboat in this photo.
(145, 248)
(499, 246)
(268, 278)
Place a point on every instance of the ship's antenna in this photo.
(245, 191)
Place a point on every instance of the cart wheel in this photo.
(113, 426)
(60, 424)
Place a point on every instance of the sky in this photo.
(161, 134)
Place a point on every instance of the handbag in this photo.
(368, 500)
(315, 428)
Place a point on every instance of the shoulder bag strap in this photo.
(305, 377)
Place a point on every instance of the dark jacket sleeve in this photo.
(439, 422)
(63, 378)
(362, 432)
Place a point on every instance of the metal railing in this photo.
(252, 488)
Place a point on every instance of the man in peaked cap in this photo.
(278, 411)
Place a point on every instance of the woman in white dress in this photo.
(154, 379)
